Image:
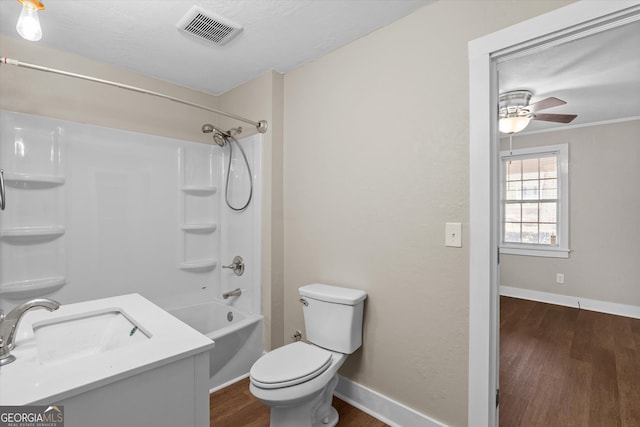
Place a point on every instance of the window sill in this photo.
(541, 252)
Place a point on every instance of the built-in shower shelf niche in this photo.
(19, 233)
(199, 190)
(28, 180)
(199, 265)
(199, 228)
(31, 288)
(199, 202)
(32, 234)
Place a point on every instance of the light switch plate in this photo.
(453, 234)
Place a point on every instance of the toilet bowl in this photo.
(297, 380)
(302, 395)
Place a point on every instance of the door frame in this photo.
(573, 21)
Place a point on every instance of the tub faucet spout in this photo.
(234, 293)
(9, 325)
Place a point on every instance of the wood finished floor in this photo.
(562, 366)
(235, 406)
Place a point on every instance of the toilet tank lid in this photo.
(334, 294)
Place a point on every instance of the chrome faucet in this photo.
(9, 325)
(234, 293)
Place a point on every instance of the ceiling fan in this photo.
(515, 112)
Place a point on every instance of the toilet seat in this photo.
(290, 365)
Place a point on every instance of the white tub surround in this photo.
(94, 212)
(161, 348)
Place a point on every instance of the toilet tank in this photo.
(333, 316)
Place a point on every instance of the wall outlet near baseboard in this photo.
(560, 278)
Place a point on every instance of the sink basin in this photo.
(86, 353)
(81, 335)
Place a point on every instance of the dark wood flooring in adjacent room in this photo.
(562, 366)
(235, 406)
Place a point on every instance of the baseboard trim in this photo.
(228, 383)
(381, 407)
(571, 301)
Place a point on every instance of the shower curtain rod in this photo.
(261, 125)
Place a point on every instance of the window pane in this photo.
(548, 212)
(532, 197)
(529, 233)
(530, 212)
(513, 170)
(546, 231)
(514, 190)
(512, 232)
(549, 188)
(548, 167)
(530, 169)
(512, 212)
(530, 190)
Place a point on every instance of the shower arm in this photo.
(261, 125)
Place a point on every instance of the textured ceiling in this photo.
(141, 35)
(598, 76)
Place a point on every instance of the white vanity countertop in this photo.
(28, 381)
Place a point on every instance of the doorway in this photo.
(573, 21)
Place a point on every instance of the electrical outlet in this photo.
(560, 278)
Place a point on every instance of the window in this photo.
(534, 211)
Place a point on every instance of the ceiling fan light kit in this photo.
(513, 124)
(515, 112)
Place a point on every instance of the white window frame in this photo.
(561, 249)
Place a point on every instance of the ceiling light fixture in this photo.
(28, 24)
(515, 112)
(514, 122)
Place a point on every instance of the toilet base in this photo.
(315, 411)
(281, 417)
(332, 419)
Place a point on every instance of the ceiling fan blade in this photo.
(545, 103)
(558, 118)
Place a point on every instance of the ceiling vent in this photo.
(208, 26)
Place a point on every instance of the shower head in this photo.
(219, 136)
(208, 128)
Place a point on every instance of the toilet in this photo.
(298, 379)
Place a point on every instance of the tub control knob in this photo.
(237, 266)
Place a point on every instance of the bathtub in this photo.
(237, 336)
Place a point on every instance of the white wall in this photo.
(375, 163)
(604, 207)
